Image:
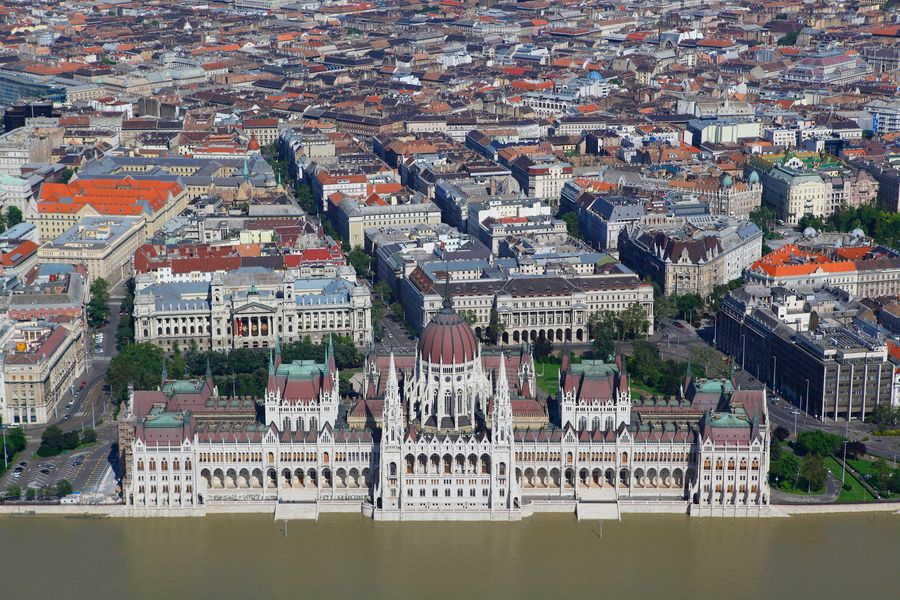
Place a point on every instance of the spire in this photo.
(330, 356)
(271, 363)
(393, 413)
(165, 371)
(501, 419)
(245, 171)
(278, 347)
(208, 369)
(448, 300)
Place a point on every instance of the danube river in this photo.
(250, 557)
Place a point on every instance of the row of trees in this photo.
(125, 329)
(243, 371)
(608, 327)
(98, 306)
(48, 492)
(648, 369)
(14, 443)
(54, 441)
(881, 225)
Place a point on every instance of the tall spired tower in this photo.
(391, 454)
(505, 492)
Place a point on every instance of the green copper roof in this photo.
(714, 386)
(183, 386)
(159, 418)
(727, 420)
(300, 369)
(594, 367)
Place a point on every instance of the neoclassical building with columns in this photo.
(450, 432)
(251, 307)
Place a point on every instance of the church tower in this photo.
(388, 493)
(505, 492)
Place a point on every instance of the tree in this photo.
(788, 39)
(52, 442)
(634, 321)
(89, 436)
(813, 471)
(138, 364)
(688, 304)
(98, 307)
(708, 360)
(542, 348)
(176, 363)
(781, 433)
(71, 440)
(13, 492)
(573, 227)
(495, 327)
(818, 442)
(360, 261)
(63, 487)
(13, 216)
(882, 474)
(785, 467)
(30, 494)
(856, 449)
(763, 217)
(470, 317)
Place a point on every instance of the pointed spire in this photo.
(501, 418)
(271, 363)
(278, 347)
(393, 412)
(165, 371)
(502, 381)
(448, 300)
(330, 356)
(208, 369)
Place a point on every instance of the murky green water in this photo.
(249, 557)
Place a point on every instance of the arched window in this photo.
(610, 424)
(582, 424)
(393, 469)
(595, 425)
(448, 403)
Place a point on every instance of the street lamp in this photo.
(743, 351)
(807, 400)
(774, 371)
(844, 462)
(3, 427)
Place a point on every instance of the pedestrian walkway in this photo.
(832, 491)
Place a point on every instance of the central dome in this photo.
(448, 339)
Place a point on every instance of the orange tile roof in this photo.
(789, 260)
(107, 196)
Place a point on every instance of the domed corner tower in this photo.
(450, 382)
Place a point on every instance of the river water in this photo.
(546, 556)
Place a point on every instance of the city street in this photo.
(85, 468)
(395, 337)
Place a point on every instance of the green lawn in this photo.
(786, 487)
(856, 493)
(865, 468)
(547, 377)
(862, 466)
(649, 391)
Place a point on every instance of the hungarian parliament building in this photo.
(450, 432)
